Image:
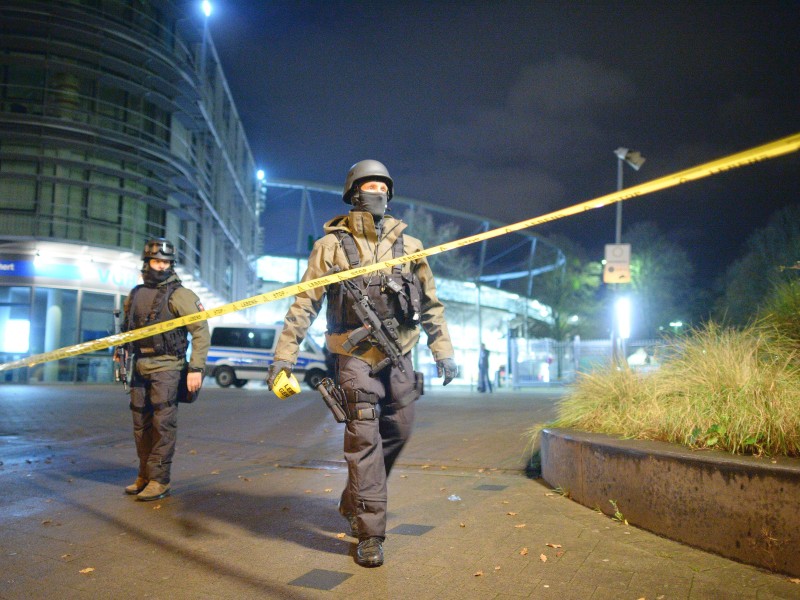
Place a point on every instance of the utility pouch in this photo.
(184, 396)
(334, 398)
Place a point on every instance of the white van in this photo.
(240, 353)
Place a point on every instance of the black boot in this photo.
(370, 552)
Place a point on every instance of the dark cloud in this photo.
(509, 109)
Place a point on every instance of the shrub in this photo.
(734, 390)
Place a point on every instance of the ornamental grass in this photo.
(728, 389)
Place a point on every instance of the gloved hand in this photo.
(448, 368)
(275, 368)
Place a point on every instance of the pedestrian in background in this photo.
(484, 381)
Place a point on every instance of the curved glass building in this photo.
(117, 126)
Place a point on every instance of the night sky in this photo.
(510, 110)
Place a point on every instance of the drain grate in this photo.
(491, 488)
(409, 529)
(320, 579)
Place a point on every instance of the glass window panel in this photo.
(15, 295)
(97, 316)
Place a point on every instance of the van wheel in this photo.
(314, 377)
(224, 376)
(240, 383)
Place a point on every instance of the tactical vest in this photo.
(151, 305)
(396, 295)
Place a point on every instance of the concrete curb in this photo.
(740, 507)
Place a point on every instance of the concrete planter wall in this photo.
(743, 508)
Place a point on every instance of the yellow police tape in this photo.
(779, 147)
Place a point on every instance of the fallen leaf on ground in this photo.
(462, 525)
(559, 554)
(426, 467)
(192, 451)
(87, 570)
(553, 545)
(513, 514)
(403, 476)
(795, 580)
(520, 526)
(306, 491)
(215, 472)
(65, 556)
(243, 478)
(543, 558)
(497, 568)
(524, 552)
(329, 489)
(47, 522)
(478, 573)
(157, 507)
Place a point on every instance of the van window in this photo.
(243, 337)
(309, 347)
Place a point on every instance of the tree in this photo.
(750, 281)
(661, 280)
(453, 264)
(569, 292)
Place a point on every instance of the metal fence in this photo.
(546, 362)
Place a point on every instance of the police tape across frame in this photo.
(754, 155)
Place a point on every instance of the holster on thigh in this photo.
(406, 387)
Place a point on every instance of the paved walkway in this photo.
(253, 512)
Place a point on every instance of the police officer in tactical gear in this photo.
(160, 364)
(378, 381)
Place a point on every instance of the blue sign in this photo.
(16, 268)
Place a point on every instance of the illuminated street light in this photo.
(622, 311)
(635, 160)
(206, 7)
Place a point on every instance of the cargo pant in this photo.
(384, 409)
(154, 407)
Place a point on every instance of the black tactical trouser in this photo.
(371, 445)
(154, 407)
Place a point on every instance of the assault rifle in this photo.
(383, 332)
(122, 359)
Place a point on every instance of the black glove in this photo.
(448, 368)
(275, 368)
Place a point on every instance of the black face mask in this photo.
(371, 202)
(152, 278)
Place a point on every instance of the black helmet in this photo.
(159, 248)
(366, 170)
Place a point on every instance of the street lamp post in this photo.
(635, 160)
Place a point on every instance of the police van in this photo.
(240, 353)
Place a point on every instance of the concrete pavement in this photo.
(253, 509)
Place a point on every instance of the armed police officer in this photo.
(372, 325)
(160, 364)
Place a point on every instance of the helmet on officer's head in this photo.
(366, 170)
(160, 248)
